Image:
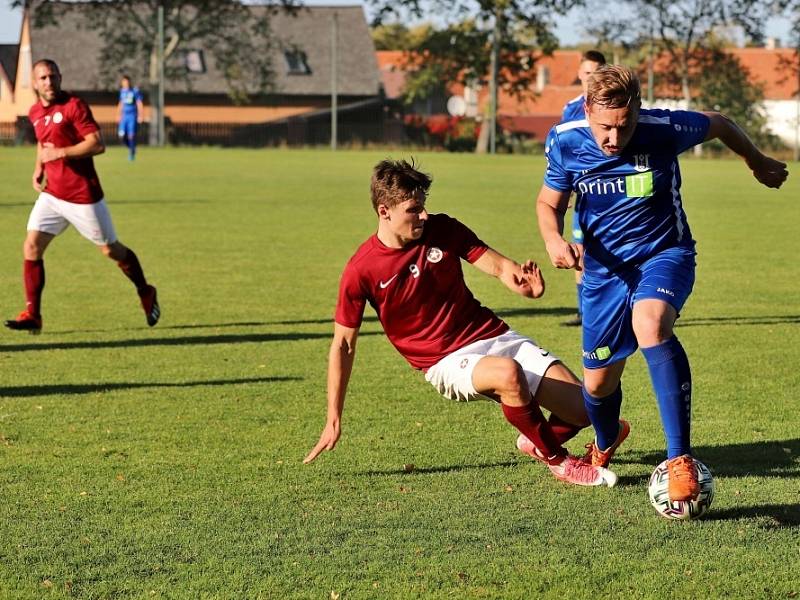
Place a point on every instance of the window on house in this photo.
(296, 63)
(194, 61)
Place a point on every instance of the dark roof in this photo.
(8, 60)
(77, 52)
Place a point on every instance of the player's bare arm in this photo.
(340, 365)
(524, 279)
(768, 171)
(91, 145)
(551, 205)
(139, 111)
(38, 170)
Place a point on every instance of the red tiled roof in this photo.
(772, 68)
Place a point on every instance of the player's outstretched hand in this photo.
(768, 171)
(564, 255)
(327, 440)
(531, 284)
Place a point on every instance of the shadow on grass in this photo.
(69, 389)
(779, 515)
(754, 320)
(438, 469)
(761, 459)
(199, 340)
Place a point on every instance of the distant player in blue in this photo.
(639, 254)
(130, 111)
(591, 60)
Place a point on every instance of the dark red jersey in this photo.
(419, 292)
(65, 123)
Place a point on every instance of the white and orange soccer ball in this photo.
(658, 491)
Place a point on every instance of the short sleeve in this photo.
(352, 300)
(468, 245)
(82, 118)
(555, 175)
(138, 95)
(688, 129)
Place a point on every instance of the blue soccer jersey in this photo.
(573, 110)
(129, 97)
(630, 205)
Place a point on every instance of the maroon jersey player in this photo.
(410, 273)
(69, 194)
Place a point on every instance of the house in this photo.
(301, 59)
(556, 84)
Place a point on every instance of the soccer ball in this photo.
(658, 491)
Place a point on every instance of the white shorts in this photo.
(452, 376)
(93, 221)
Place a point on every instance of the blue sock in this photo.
(672, 382)
(579, 287)
(604, 415)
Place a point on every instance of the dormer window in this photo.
(296, 63)
(194, 61)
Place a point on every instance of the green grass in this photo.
(166, 463)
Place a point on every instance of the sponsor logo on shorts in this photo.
(599, 354)
(665, 291)
(463, 364)
(434, 255)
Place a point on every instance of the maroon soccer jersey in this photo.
(419, 293)
(65, 123)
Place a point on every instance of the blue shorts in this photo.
(608, 302)
(127, 127)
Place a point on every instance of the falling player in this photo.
(410, 273)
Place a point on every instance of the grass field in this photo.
(166, 462)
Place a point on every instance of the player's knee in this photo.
(651, 331)
(32, 250)
(600, 387)
(114, 251)
(510, 377)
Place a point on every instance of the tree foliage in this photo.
(459, 49)
(234, 35)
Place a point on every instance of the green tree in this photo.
(460, 50)
(236, 37)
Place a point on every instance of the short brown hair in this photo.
(614, 86)
(395, 181)
(47, 62)
(594, 56)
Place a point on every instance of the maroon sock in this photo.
(33, 275)
(562, 430)
(133, 270)
(531, 423)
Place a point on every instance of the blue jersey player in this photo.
(639, 255)
(130, 111)
(591, 60)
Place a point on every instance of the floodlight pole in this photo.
(494, 59)
(161, 132)
(334, 78)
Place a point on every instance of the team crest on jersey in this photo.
(58, 117)
(641, 162)
(434, 255)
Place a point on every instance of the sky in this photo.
(567, 28)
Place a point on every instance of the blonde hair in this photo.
(614, 86)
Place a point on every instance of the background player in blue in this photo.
(639, 252)
(591, 60)
(130, 111)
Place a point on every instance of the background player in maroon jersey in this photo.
(410, 272)
(69, 193)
